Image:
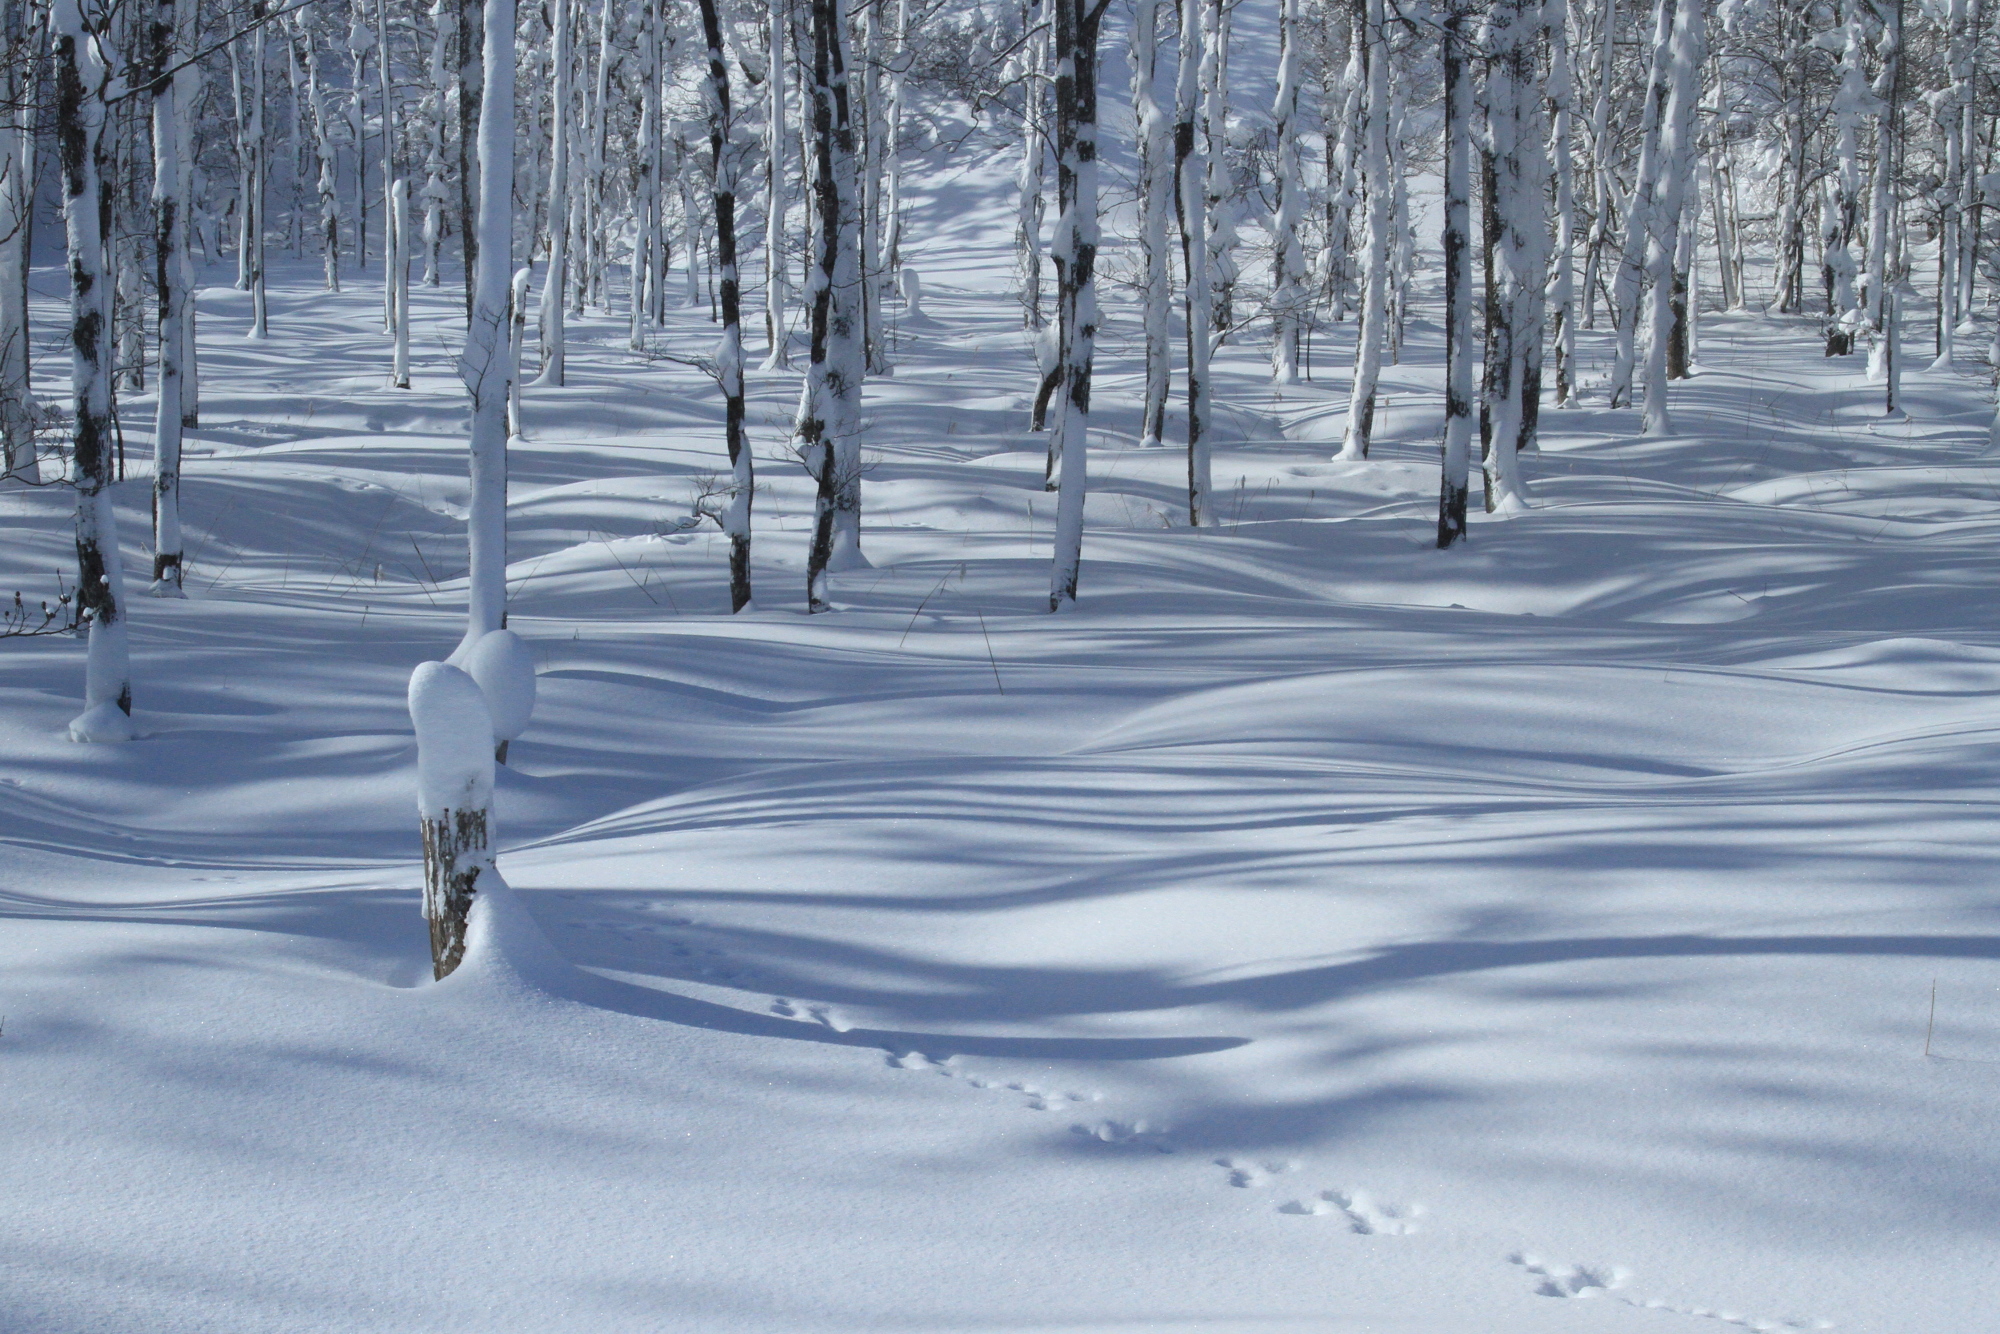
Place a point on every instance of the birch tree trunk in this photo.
(486, 361)
(1034, 151)
(83, 65)
(1600, 163)
(729, 353)
(1881, 212)
(1198, 306)
(395, 242)
(1631, 275)
(323, 150)
(829, 408)
(399, 290)
(1457, 240)
(1219, 189)
(1562, 279)
(776, 337)
(1075, 253)
(1288, 218)
(646, 189)
(1375, 277)
(1677, 159)
(1156, 184)
(1520, 243)
(17, 415)
(444, 14)
(168, 37)
(555, 288)
(256, 183)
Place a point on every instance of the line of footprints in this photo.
(1362, 1214)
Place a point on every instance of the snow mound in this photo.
(454, 740)
(503, 667)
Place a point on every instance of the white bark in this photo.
(1631, 274)
(257, 187)
(1375, 273)
(776, 336)
(486, 361)
(1881, 195)
(17, 431)
(1520, 180)
(555, 288)
(1198, 306)
(1562, 278)
(1458, 291)
(170, 40)
(830, 404)
(399, 287)
(1075, 254)
(1031, 207)
(83, 75)
(1664, 219)
(1288, 296)
(1156, 186)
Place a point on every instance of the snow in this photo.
(504, 667)
(1308, 931)
(455, 734)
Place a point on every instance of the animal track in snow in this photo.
(1728, 1317)
(1134, 1134)
(1561, 1280)
(1365, 1217)
(1245, 1173)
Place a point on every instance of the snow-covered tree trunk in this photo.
(486, 362)
(1952, 201)
(1075, 254)
(1457, 240)
(1602, 189)
(1375, 272)
(83, 72)
(595, 242)
(1629, 279)
(468, 79)
(1030, 194)
(396, 242)
(1219, 188)
(399, 289)
(646, 186)
(729, 353)
(454, 727)
(555, 287)
(1198, 305)
(1288, 298)
(169, 37)
(1519, 244)
(1676, 168)
(444, 15)
(1156, 185)
(829, 408)
(256, 183)
(1881, 195)
(323, 152)
(517, 342)
(892, 149)
(777, 342)
(17, 416)
(1562, 277)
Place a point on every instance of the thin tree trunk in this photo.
(1075, 253)
(83, 64)
(17, 416)
(1198, 307)
(1677, 159)
(1287, 255)
(829, 408)
(776, 336)
(486, 361)
(399, 290)
(555, 288)
(1631, 274)
(729, 354)
(1156, 185)
(1457, 239)
(166, 34)
(1375, 277)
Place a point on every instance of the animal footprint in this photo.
(1137, 1134)
(1243, 1172)
(827, 1015)
(1560, 1280)
(1365, 1217)
(916, 1060)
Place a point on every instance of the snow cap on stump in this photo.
(454, 740)
(499, 661)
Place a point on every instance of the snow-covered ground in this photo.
(1313, 931)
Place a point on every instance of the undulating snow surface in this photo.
(1313, 931)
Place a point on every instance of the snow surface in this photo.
(1314, 931)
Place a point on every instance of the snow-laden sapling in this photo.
(454, 802)
(502, 666)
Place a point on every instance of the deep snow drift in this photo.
(1314, 931)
